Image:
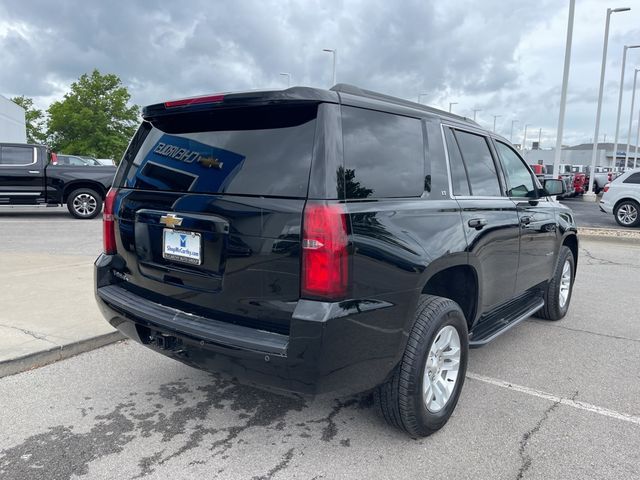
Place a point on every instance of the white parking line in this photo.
(554, 398)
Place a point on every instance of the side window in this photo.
(383, 154)
(16, 156)
(483, 177)
(520, 182)
(459, 180)
(633, 178)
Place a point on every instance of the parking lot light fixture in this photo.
(633, 99)
(451, 104)
(594, 154)
(624, 62)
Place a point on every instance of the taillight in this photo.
(606, 188)
(54, 158)
(325, 263)
(108, 227)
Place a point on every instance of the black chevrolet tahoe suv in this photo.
(338, 241)
(30, 175)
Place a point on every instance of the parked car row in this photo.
(577, 177)
(80, 160)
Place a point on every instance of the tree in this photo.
(34, 119)
(93, 118)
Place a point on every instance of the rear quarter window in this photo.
(633, 178)
(383, 154)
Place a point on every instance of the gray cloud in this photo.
(483, 54)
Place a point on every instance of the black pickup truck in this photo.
(29, 177)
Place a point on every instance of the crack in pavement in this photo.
(599, 334)
(36, 335)
(283, 465)
(603, 261)
(526, 459)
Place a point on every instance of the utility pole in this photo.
(475, 110)
(513, 122)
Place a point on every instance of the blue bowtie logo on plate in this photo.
(183, 240)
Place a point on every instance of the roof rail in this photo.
(361, 92)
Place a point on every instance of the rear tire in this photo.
(557, 295)
(84, 203)
(627, 213)
(413, 399)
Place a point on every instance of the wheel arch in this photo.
(571, 241)
(71, 186)
(457, 281)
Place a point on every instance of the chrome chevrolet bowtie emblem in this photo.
(171, 220)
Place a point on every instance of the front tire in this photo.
(423, 392)
(627, 213)
(557, 294)
(84, 203)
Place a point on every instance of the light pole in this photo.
(422, 95)
(513, 122)
(451, 104)
(539, 137)
(563, 94)
(284, 74)
(635, 159)
(334, 51)
(624, 62)
(633, 99)
(594, 154)
(476, 110)
(494, 122)
(524, 140)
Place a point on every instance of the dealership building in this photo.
(581, 155)
(12, 122)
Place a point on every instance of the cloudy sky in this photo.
(503, 57)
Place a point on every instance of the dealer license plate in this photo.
(182, 246)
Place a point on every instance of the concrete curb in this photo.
(609, 235)
(45, 357)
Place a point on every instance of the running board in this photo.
(498, 323)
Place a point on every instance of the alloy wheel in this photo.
(84, 204)
(441, 369)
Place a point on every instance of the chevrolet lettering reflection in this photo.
(177, 153)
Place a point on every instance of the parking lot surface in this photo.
(544, 400)
(588, 214)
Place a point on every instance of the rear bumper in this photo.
(605, 207)
(332, 348)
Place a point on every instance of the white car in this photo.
(622, 198)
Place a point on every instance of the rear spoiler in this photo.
(294, 95)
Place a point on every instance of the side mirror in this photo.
(554, 187)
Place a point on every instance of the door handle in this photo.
(34, 171)
(477, 223)
(525, 220)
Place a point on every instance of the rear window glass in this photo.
(251, 151)
(384, 154)
(16, 156)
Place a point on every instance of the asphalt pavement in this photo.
(588, 214)
(544, 400)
